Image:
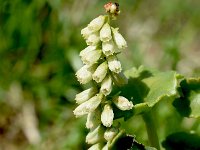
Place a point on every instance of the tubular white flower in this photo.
(122, 103)
(119, 78)
(88, 106)
(113, 64)
(85, 95)
(87, 50)
(119, 40)
(96, 23)
(95, 135)
(110, 133)
(108, 48)
(100, 72)
(93, 39)
(93, 119)
(85, 32)
(105, 33)
(97, 146)
(107, 115)
(91, 57)
(84, 75)
(106, 86)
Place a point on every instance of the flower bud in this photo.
(93, 119)
(85, 32)
(108, 48)
(110, 133)
(122, 103)
(100, 72)
(93, 39)
(119, 40)
(97, 146)
(96, 23)
(87, 50)
(107, 115)
(106, 86)
(84, 75)
(88, 106)
(91, 57)
(119, 79)
(105, 33)
(85, 95)
(113, 64)
(95, 135)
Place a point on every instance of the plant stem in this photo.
(151, 130)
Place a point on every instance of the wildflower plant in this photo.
(114, 94)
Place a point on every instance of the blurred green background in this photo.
(39, 45)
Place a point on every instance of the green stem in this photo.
(151, 130)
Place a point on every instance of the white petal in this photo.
(85, 95)
(106, 86)
(105, 33)
(122, 103)
(119, 40)
(100, 72)
(108, 48)
(88, 106)
(113, 64)
(107, 115)
(96, 23)
(95, 135)
(91, 57)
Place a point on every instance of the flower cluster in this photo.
(102, 67)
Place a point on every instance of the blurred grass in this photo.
(39, 45)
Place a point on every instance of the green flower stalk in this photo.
(102, 67)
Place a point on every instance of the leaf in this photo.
(146, 88)
(128, 142)
(182, 140)
(188, 105)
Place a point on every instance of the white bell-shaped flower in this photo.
(105, 33)
(88, 106)
(110, 133)
(85, 95)
(108, 48)
(91, 57)
(93, 39)
(84, 75)
(87, 50)
(122, 103)
(93, 119)
(100, 72)
(106, 85)
(118, 38)
(96, 135)
(114, 64)
(97, 23)
(107, 115)
(85, 32)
